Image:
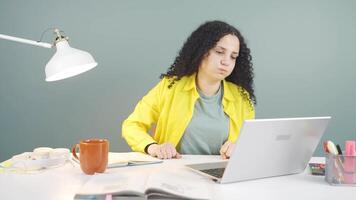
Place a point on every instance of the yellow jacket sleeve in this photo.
(135, 127)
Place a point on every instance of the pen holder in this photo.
(340, 170)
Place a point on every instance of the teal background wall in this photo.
(303, 53)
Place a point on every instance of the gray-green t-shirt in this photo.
(208, 128)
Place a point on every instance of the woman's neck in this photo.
(206, 86)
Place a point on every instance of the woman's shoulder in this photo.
(174, 83)
(233, 87)
(240, 95)
(236, 91)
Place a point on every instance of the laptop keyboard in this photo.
(216, 172)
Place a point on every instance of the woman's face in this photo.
(219, 62)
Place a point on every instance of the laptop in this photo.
(268, 148)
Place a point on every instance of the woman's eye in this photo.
(219, 52)
(234, 57)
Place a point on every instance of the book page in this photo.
(180, 183)
(128, 183)
(131, 158)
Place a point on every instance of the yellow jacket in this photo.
(172, 109)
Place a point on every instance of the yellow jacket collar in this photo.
(191, 85)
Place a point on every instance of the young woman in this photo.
(201, 102)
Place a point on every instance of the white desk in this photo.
(63, 182)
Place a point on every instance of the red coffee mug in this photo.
(93, 155)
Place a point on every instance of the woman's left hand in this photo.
(226, 149)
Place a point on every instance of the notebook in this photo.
(268, 148)
(129, 159)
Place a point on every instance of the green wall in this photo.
(303, 52)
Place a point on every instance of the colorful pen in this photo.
(340, 152)
(338, 149)
(332, 148)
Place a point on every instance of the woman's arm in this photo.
(135, 127)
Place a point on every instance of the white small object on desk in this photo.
(41, 158)
(42, 152)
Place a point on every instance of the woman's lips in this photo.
(222, 70)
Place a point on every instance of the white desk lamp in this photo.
(66, 62)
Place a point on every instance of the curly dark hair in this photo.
(198, 44)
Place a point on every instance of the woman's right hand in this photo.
(163, 151)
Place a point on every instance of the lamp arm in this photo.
(26, 41)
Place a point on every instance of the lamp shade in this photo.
(68, 62)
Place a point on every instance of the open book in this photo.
(129, 159)
(147, 183)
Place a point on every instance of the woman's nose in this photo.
(225, 62)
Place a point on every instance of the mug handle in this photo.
(74, 151)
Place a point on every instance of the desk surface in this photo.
(63, 182)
